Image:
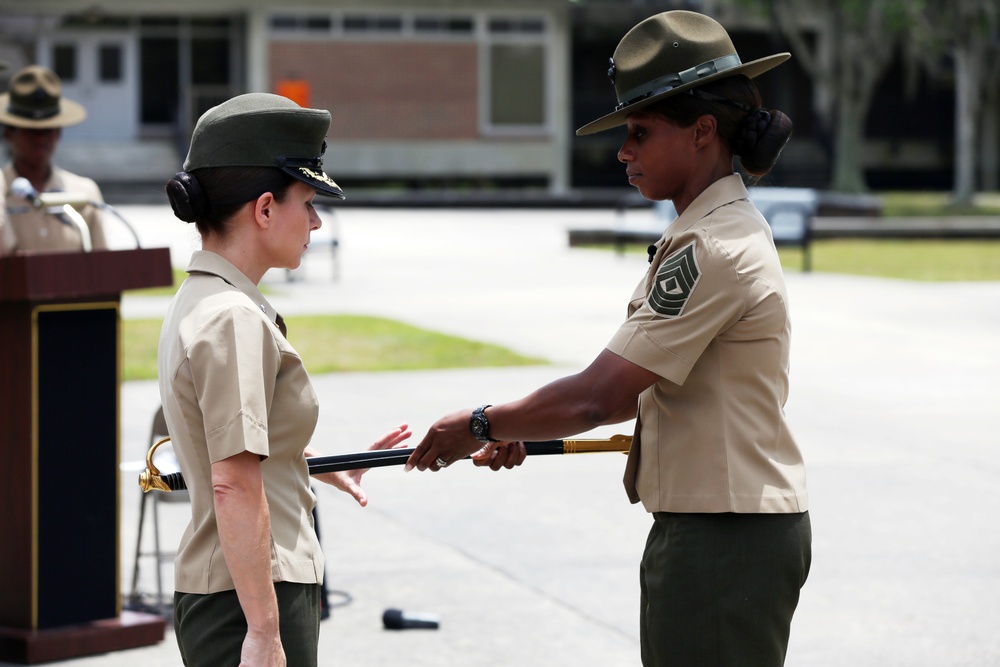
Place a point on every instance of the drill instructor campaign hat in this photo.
(264, 130)
(671, 53)
(35, 101)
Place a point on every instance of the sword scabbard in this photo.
(616, 443)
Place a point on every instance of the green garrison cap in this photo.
(264, 130)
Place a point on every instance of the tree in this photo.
(855, 42)
(990, 124)
(977, 74)
(968, 30)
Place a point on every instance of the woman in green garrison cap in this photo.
(238, 402)
(701, 362)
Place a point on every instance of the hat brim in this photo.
(316, 178)
(70, 113)
(616, 118)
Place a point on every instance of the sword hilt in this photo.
(150, 479)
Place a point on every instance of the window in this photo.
(109, 63)
(309, 23)
(516, 61)
(159, 67)
(374, 23)
(64, 61)
(443, 25)
(210, 61)
(517, 26)
(406, 25)
(517, 84)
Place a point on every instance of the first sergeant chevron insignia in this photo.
(675, 281)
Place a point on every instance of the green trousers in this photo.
(210, 628)
(719, 590)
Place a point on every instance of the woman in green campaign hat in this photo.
(701, 363)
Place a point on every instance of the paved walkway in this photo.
(894, 398)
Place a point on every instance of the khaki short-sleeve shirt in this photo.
(35, 229)
(711, 319)
(230, 382)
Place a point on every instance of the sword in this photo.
(151, 478)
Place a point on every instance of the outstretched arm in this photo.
(606, 392)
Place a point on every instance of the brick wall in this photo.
(377, 90)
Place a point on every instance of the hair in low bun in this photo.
(187, 198)
(754, 126)
(764, 134)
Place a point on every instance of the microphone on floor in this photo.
(394, 619)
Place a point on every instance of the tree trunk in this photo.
(989, 120)
(848, 173)
(966, 115)
(856, 76)
(989, 139)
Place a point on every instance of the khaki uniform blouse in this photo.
(711, 319)
(29, 228)
(230, 382)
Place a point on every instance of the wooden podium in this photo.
(60, 385)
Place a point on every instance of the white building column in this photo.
(258, 74)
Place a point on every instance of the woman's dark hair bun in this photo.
(753, 129)
(187, 198)
(763, 135)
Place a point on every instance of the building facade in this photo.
(459, 92)
(464, 94)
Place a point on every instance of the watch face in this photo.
(480, 425)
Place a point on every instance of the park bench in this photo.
(788, 211)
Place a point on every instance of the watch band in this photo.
(479, 425)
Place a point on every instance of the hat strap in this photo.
(283, 161)
(671, 81)
(315, 162)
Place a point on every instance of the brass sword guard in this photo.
(149, 479)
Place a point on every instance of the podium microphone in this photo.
(394, 619)
(22, 187)
(62, 201)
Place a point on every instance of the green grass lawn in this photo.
(332, 343)
(925, 204)
(918, 259)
